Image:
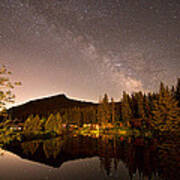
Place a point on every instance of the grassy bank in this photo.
(123, 131)
(9, 137)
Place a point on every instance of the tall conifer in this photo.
(165, 112)
(126, 111)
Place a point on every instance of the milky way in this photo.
(85, 48)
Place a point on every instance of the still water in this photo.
(88, 158)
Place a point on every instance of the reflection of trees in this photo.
(52, 147)
(139, 155)
(106, 163)
(106, 153)
(30, 147)
(169, 156)
(141, 158)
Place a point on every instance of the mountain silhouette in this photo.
(45, 106)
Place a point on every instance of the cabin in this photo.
(86, 125)
(71, 127)
(91, 126)
(107, 126)
(95, 126)
(16, 127)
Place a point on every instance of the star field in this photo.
(85, 48)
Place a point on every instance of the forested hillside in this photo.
(45, 106)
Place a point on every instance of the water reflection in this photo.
(107, 157)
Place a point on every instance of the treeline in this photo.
(158, 112)
(37, 124)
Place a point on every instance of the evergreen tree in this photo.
(33, 123)
(65, 117)
(113, 113)
(99, 112)
(126, 111)
(59, 118)
(173, 91)
(37, 123)
(147, 111)
(140, 100)
(134, 105)
(54, 123)
(138, 110)
(105, 110)
(137, 105)
(27, 123)
(162, 90)
(166, 113)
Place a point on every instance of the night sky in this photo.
(84, 48)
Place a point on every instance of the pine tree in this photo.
(173, 92)
(65, 117)
(141, 112)
(162, 90)
(54, 123)
(59, 118)
(105, 110)
(147, 111)
(33, 123)
(99, 112)
(134, 105)
(126, 111)
(138, 110)
(165, 112)
(27, 123)
(113, 113)
(37, 123)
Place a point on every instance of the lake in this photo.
(89, 158)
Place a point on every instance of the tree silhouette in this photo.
(165, 112)
(104, 112)
(6, 87)
(33, 124)
(126, 110)
(113, 112)
(54, 123)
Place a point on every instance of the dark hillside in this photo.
(45, 106)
